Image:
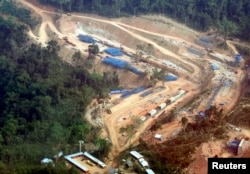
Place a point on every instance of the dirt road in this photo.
(134, 104)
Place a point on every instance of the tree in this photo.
(184, 122)
(93, 49)
(77, 57)
(226, 28)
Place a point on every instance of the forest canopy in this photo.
(42, 101)
(198, 14)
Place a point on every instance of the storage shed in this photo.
(237, 57)
(86, 38)
(171, 77)
(143, 118)
(214, 67)
(143, 162)
(162, 105)
(152, 112)
(158, 136)
(113, 51)
(46, 161)
(149, 171)
(180, 93)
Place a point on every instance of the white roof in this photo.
(241, 142)
(143, 162)
(158, 136)
(143, 118)
(91, 157)
(152, 112)
(46, 160)
(70, 158)
(162, 105)
(149, 171)
(181, 92)
(136, 154)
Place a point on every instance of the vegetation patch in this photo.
(42, 102)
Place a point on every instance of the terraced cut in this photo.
(164, 46)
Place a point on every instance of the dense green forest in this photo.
(21, 14)
(199, 14)
(42, 102)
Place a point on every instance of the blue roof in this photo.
(171, 77)
(202, 114)
(114, 51)
(121, 64)
(238, 56)
(215, 67)
(227, 83)
(86, 38)
(234, 143)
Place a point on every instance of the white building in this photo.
(180, 93)
(46, 161)
(152, 112)
(136, 154)
(162, 105)
(158, 136)
(70, 159)
(94, 159)
(143, 162)
(149, 171)
(143, 118)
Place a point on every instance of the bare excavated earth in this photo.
(165, 44)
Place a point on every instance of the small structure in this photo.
(70, 159)
(158, 136)
(86, 38)
(233, 127)
(237, 57)
(129, 163)
(227, 83)
(152, 112)
(58, 155)
(46, 161)
(94, 159)
(202, 114)
(180, 93)
(117, 63)
(149, 171)
(240, 147)
(171, 77)
(143, 162)
(113, 51)
(143, 118)
(214, 67)
(162, 105)
(234, 145)
(136, 154)
(115, 92)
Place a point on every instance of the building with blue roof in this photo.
(86, 38)
(114, 51)
(214, 67)
(171, 77)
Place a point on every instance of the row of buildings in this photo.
(142, 161)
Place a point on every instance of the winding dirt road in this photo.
(110, 121)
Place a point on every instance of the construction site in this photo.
(195, 74)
